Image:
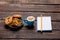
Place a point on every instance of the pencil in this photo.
(41, 23)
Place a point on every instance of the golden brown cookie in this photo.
(17, 16)
(8, 20)
(16, 22)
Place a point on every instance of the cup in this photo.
(29, 21)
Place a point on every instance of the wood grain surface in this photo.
(32, 1)
(30, 8)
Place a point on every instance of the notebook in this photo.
(44, 23)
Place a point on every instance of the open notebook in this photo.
(44, 23)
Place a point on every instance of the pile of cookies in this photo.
(14, 20)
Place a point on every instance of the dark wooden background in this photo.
(26, 8)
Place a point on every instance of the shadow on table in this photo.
(14, 28)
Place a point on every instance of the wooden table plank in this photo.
(14, 39)
(29, 34)
(30, 39)
(32, 1)
(20, 7)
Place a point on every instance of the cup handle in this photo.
(24, 20)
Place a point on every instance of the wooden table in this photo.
(27, 8)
